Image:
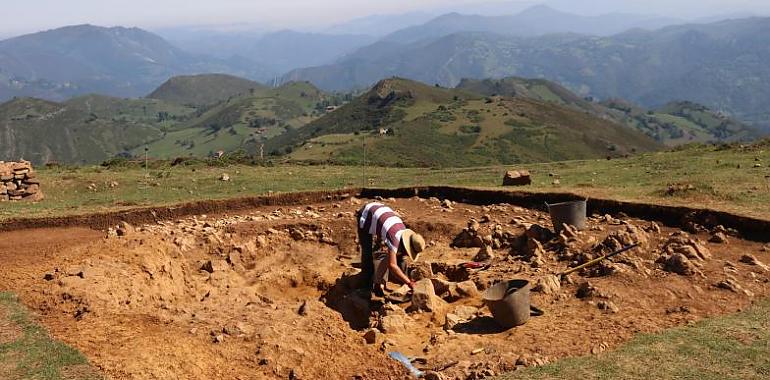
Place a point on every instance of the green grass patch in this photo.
(730, 347)
(35, 355)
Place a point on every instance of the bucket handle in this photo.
(549, 206)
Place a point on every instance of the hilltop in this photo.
(676, 123)
(244, 120)
(432, 126)
(82, 130)
(204, 89)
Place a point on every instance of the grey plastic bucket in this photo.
(509, 302)
(572, 213)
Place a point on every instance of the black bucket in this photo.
(509, 302)
(571, 213)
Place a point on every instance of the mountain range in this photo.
(482, 121)
(721, 65)
(535, 21)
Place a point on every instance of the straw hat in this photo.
(413, 243)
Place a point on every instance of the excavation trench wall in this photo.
(673, 216)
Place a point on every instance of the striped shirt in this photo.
(381, 221)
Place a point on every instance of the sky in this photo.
(24, 16)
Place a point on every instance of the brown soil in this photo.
(267, 293)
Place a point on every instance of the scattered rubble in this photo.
(683, 254)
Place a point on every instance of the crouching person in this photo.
(379, 226)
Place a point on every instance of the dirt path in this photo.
(268, 292)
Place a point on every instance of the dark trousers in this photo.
(366, 242)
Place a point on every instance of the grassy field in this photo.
(731, 347)
(31, 353)
(722, 179)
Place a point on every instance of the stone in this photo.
(608, 306)
(467, 238)
(393, 324)
(391, 309)
(753, 260)
(424, 297)
(420, 270)
(732, 285)
(679, 263)
(124, 229)
(432, 375)
(303, 309)
(261, 241)
(654, 228)
(539, 233)
(588, 290)
(719, 238)
(517, 178)
(550, 284)
(442, 286)
(215, 265)
(371, 335)
(486, 253)
(467, 289)
(297, 234)
(465, 313)
(691, 248)
(224, 177)
(219, 338)
(451, 321)
(534, 248)
(447, 204)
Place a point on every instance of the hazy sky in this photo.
(21, 16)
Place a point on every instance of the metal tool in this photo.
(395, 355)
(598, 260)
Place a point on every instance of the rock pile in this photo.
(18, 181)
(490, 235)
(683, 255)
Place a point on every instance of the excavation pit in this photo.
(270, 291)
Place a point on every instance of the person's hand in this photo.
(411, 285)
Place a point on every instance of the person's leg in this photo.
(367, 260)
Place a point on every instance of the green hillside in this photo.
(205, 89)
(244, 121)
(431, 126)
(673, 124)
(682, 122)
(82, 130)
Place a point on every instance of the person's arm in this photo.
(396, 271)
